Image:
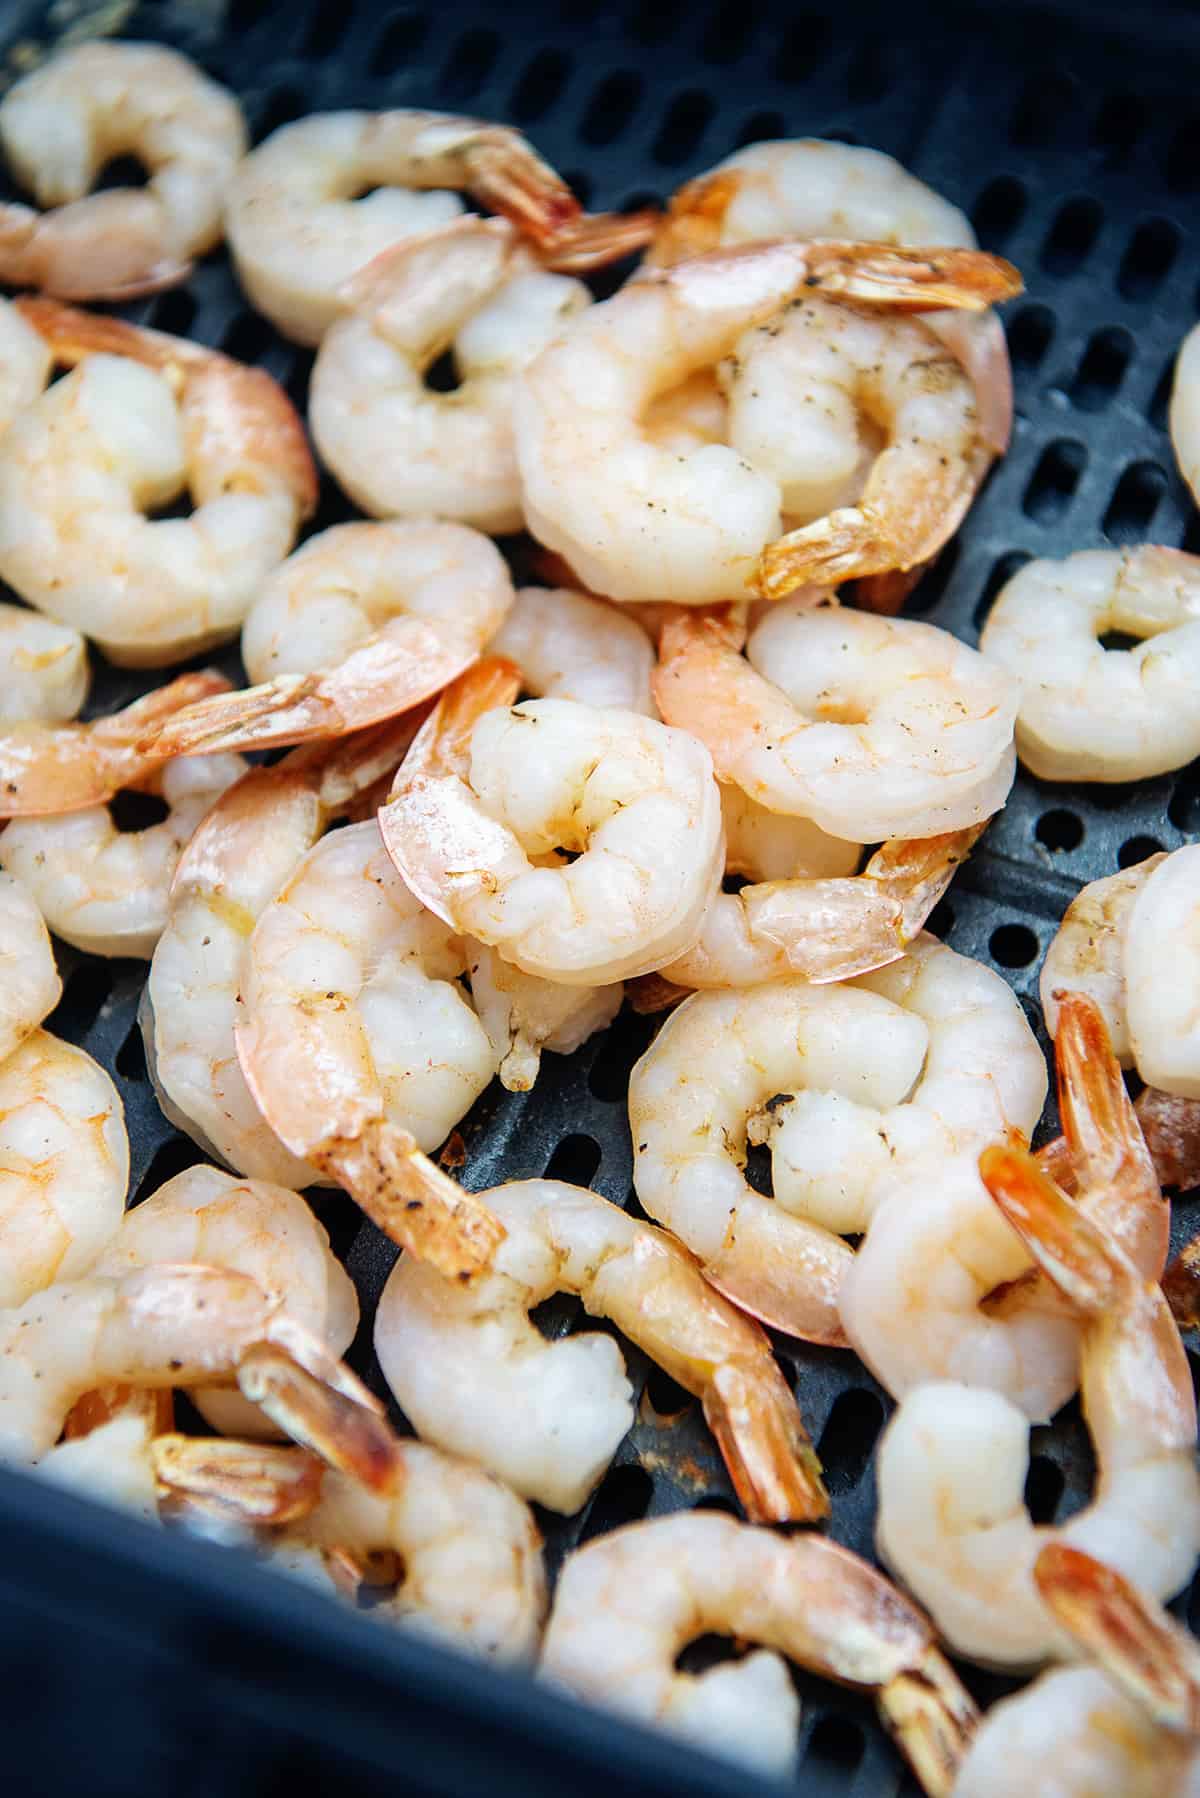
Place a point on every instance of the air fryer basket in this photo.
(1076, 150)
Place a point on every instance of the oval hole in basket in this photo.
(1013, 945)
(836, 1745)
(848, 1439)
(803, 47)
(1059, 829)
(575, 1159)
(623, 1496)
(540, 85)
(1147, 260)
(1137, 849)
(401, 34)
(1043, 1488)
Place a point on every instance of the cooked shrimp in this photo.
(905, 1069)
(648, 520)
(470, 287)
(111, 1465)
(1185, 415)
(43, 668)
(951, 1470)
(871, 727)
(253, 1228)
(855, 509)
(363, 622)
(486, 796)
(30, 987)
(1091, 713)
(1087, 953)
(143, 418)
(47, 768)
(64, 1164)
(25, 359)
(358, 1045)
(298, 234)
(810, 188)
(1126, 1728)
(628, 1602)
(238, 858)
(1162, 975)
(921, 1301)
(571, 646)
(524, 1015)
(61, 124)
(106, 889)
(1171, 1127)
(162, 1326)
(548, 1416)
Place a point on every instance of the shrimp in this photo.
(359, 1047)
(486, 796)
(1184, 415)
(1163, 996)
(628, 1602)
(25, 359)
(143, 417)
(161, 1326)
(106, 889)
(940, 1289)
(571, 646)
(1087, 953)
(30, 986)
(548, 1416)
(524, 1015)
(1126, 1728)
(298, 234)
(855, 510)
(952, 1521)
(852, 1085)
(253, 1228)
(871, 727)
(61, 124)
(470, 286)
(363, 622)
(810, 188)
(48, 768)
(1171, 1127)
(238, 858)
(44, 670)
(1091, 713)
(64, 1164)
(649, 521)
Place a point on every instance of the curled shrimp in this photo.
(649, 521)
(1087, 953)
(1088, 712)
(143, 417)
(64, 1164)
(952, 1519)
(48, 768)
(472, 287)
(548, 1416)
(61, 124)
(810, 188)
(298, 234)
(871, 727)
(852, 1085)
(1125, 1727)
(238, 858)
(106, 889)
(1184, 412)
(44, 670)
(363, 622)
(30, 987)
(1160, 993)
(571, 646)
(628, 1602)
(633, 800)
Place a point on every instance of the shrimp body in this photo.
(628, 1602)
(25, 358)
(469, 286)
(523, 1014)
(952, 1464)
(1185, 410)
(1087, 953)
(44, 671)
(142, 418)
(871, 727)
(1090, 713)
(571, 646)
(105, 889)
(363, 622)
(64, 1164)
(1162, 975)
(548, 1416)
(487, 796)
(650, 520)
(61, 124)
(30, 987)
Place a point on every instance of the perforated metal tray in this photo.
(1075, 147)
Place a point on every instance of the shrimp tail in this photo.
(443, 744)
(1126, 1632)
(912, 280)
(919, 870)
(854, 541)
(695, 218)
(72, 333)
(1069, 1248)
(1099, 1121)
(772, 1463)
(255, 1483)
(345, 1434)
(412, 1201)
(931, 1718)
(1171, 1127)
(827, 929)
(598, 238)
(291, 708)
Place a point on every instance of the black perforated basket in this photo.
(134, 1662)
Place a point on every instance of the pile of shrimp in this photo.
(708, 769)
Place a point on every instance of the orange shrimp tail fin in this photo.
(255, 1483)
(155, 1405)
(1125, 1631)
(1099, 1121)
(917, 871)
(1075, 1255)
(931, 1717)
(346, 1435)
(912, 279)
(508, 175)
(443, 744)
(695, 218)
(597, 238)
(771, 1461)
(1171, 1127)
(73, 334)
